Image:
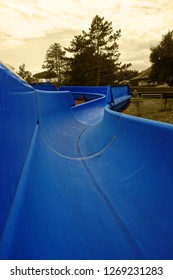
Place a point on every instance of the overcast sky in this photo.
(29, 27)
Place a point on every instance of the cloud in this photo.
(32, 51)
(42, 21)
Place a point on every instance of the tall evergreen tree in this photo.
(81, 62)
(104, 42)
(95, 55)
(55, 61)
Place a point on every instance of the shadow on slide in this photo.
(82, 182)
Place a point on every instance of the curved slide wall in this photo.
(18, 118)
(101, 191)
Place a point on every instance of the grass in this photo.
(151, 109)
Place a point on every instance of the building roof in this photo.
(144, 75)
(45, 75)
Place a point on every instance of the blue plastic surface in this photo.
(44, 86)
(76, 184)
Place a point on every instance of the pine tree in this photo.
(95, 55)
(55, 61)
(81, 62)
(104, 42)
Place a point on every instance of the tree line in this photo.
(93, 58)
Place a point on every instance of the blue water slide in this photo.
(44, 86)
(82, 181)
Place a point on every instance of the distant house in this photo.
(143, 79)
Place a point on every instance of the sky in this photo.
(29, 27)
